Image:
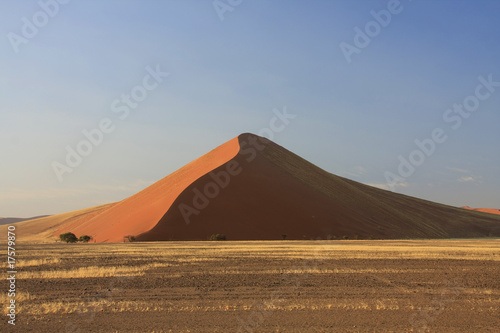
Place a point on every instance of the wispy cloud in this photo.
(384, 186)
(467, 176)
(466, 179)
(458, 170)
(477, 180)
(355, 172)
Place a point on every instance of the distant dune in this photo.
(10, 220)
(484, 210)
(253, 189)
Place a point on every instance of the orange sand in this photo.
(484, 210)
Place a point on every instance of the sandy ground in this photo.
(281, 286)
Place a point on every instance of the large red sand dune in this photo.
(251, 188)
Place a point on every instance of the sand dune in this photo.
(251, 188)
(44, 229)
(484, 210)
(277, 192)
(10, 220)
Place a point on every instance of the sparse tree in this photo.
(84, 239)
(129, 238)
(68, 237)
(218, 237)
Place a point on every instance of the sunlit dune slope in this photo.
(484, 210)
(43, 229)
(142, 211)
(132, 216)
(276, 192)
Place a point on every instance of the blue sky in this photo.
(227, 76)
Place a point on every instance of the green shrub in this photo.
(84, 239)
(68, 237)
(345, 237)
(218, 237)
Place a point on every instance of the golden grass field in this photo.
(273, 286)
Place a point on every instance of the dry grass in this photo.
(21, 297)
(135, 259)
(321, 271)
(488, 249)
(37, 262)
(91, 272)
(113, 306)
(142, 306)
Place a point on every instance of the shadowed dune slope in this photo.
(275, 192)
(253, 189)
(484, 210)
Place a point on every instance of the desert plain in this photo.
(259, 286)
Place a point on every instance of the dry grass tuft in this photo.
(37, 262)
(91, 272)
(21, 297)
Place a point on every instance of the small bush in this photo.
(84, 239)
(129, 238)
(68, 237)
(345, 237)
(283, 236)
(218, 237)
